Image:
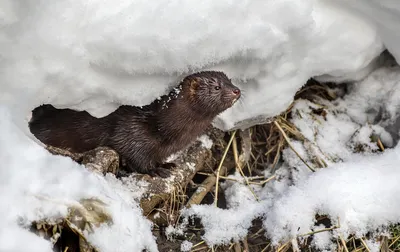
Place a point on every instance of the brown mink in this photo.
(143, 136)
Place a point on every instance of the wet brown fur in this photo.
(143, 136)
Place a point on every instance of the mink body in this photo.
(143, 136)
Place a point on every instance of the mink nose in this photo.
(236, 91)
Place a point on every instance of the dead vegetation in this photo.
(197, 181)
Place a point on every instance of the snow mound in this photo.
(363, 192)
(96, 55)
(36, 185)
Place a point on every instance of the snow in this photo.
(36, 185)
(343, 190)
(96, 55)
(186, 246)
(222, 225)
(322, 240)
(385, 15)
(358, 191)
(131, 52)
(206, 141)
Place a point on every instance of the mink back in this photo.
(146, 136)
(76, 131)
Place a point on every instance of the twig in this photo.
(295, 245)
(220, 165)
(238, 166)
(267, 180)
(246, 245)
(237, 247)
(205, 173)
(199, 249)
(395, 240)
(318, 231)
(291, 146)
(266, 247)
(283, 246)
(198, 244)
(321, 230)
(203, 189)
(277, 155)
(257, 233)
(380, 145)
(343, 243)
(365, 244)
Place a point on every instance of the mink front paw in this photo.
(168, 165)
(160, 171)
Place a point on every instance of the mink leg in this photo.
(152, 170)
(160, 171)
(168, 165)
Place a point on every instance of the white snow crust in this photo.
(95, 55)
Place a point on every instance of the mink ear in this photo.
(193, 87)
(194, 84)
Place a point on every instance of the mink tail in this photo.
(76, 131)
(41, 111)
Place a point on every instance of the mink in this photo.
(143, 136)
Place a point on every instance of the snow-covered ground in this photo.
(360, 191)
(95, 55)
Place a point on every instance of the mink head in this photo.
(211, 92)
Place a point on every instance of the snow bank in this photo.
(385, 15)
(95, 55)
(35, 185)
